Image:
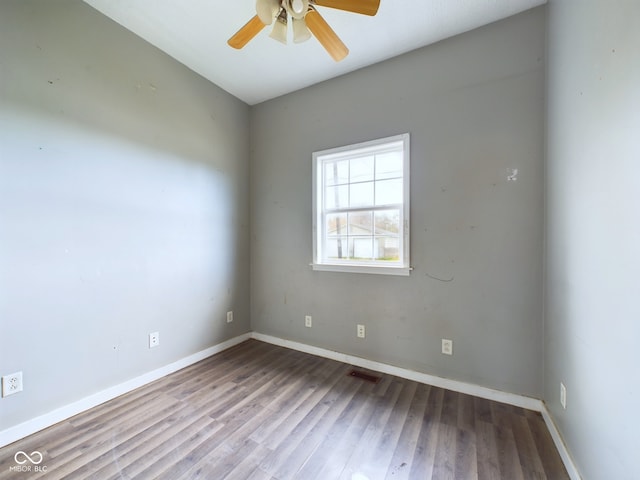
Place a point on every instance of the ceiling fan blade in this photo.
(246, 33)
(365, 7)
(326, 36)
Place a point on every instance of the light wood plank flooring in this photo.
(261, 412)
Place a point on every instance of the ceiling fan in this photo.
(305, 20)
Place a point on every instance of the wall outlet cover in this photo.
(11, 384)
(154, 339)
(447, 346)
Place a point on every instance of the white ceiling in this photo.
(195, 33)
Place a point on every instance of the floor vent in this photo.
(364, 376)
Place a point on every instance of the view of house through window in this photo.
(361, 202)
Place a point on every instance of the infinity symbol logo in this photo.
(27, 458)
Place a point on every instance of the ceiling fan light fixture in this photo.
(300, 31)
(267, 10)
(279, 31)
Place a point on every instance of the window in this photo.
(361, 207)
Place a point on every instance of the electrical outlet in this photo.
(360, 331)
(11, 384)
(154, 339)
(563, 395)
(229, 316)
(447, 346)
(307, 321)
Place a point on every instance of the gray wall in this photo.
(123, 206)
(592, 322)
(474, 105)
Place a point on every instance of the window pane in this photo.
(336, 247)
(387, 222)
(388, 165)
(361, 194)
(389, 192)
(336, 197)
(336, 172)
(361, 248)
(361, 169)
(360, 223)
(387, 249)
(336, 224)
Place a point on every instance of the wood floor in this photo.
(261, 412)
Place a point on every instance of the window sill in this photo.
(370, 269)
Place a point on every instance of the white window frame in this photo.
(320, 262)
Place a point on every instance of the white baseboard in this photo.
(34, 425)
(560, 445)
(469, 388)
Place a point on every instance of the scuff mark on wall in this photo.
(446, 280)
